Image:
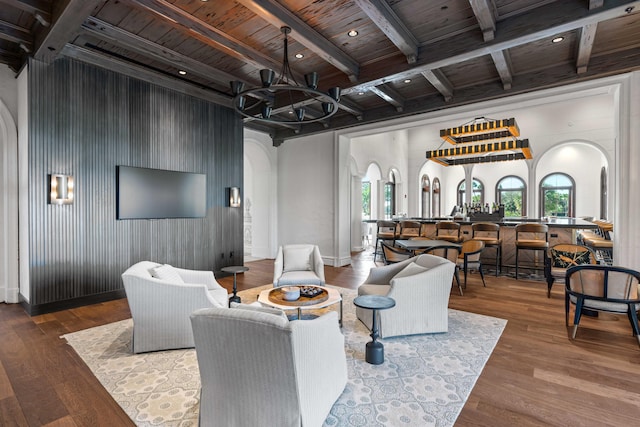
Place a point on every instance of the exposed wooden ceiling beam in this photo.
(587, 37)
(390, 95)
(100, 59)
(486, 16)
(277, 15)
(563, 74)
(543, 22)
(502, 61)
(207, 34)
(594, 4)
(67, 17)
(15, 34)
(105, 31)
(392, 26)
(38, 8)
(440, 82)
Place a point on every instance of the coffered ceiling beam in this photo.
(119, 37)
(541, 23)
(15, 34)
(38, 8)
(440, 82)
(486, 16)
(277, 15)
(392, 26)
(587, 37)
(600, 66)
(100, 59)
(183, 21)
(502, 61)
(390, 95)
(67, 17)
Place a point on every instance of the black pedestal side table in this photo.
(235, 269)
(375, 350)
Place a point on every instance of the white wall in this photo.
(9, 90)
(306, 177)
(261, 189)
(9, 279)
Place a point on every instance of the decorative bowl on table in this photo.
(310, 291)
(290, 293)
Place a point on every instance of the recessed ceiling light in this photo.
(557, 40)
(182, 72)
(360, 93)
(352, 33)
(407, 80)
(299, 55)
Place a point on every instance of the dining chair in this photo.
(606, 288)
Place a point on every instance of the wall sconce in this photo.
(234, 197)
(60, 189)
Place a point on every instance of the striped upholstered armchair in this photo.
(161, 298)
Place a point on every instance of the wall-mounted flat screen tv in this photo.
(156, 194)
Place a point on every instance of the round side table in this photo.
(375, 350)
(235, 269)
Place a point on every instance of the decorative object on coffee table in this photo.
(326, 297)
(291, 293)
(235, 269)
(375, 350)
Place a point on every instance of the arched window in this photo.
(477, 193)
(557, 195)
(426, 196)
(366, 199)
(511, 192)
(390, 196)
(436, 198)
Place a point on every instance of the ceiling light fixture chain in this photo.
(286, 96)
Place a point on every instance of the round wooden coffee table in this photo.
(275, 298)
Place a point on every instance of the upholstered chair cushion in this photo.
(566, 259)
(410, 270)
(168, 273)
(297, 258)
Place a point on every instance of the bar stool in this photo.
(489, 234)
(410, 229)
(449, 231)
(386, 231)
(531, 240)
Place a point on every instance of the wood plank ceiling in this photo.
(409, 57)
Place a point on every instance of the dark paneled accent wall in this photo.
(83, 121)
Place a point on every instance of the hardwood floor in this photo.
(535, 376)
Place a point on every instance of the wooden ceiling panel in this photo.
(445, 18)
(113, 11)
(543, 53)
(333, 20)
(474, 71)
(509, 8)
(617, 34)
(417, 88)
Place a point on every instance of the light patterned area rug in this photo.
(424, 381)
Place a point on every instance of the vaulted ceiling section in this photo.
(408, 57)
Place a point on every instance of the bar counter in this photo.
(561, 230)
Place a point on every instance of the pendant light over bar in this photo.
(482, 153)
(481, 129)
(482, 141)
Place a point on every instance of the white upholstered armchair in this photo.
(298, 264)
(420, 286)
(257, 368)
(161, 298)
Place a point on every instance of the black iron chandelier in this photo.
(285, 101)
